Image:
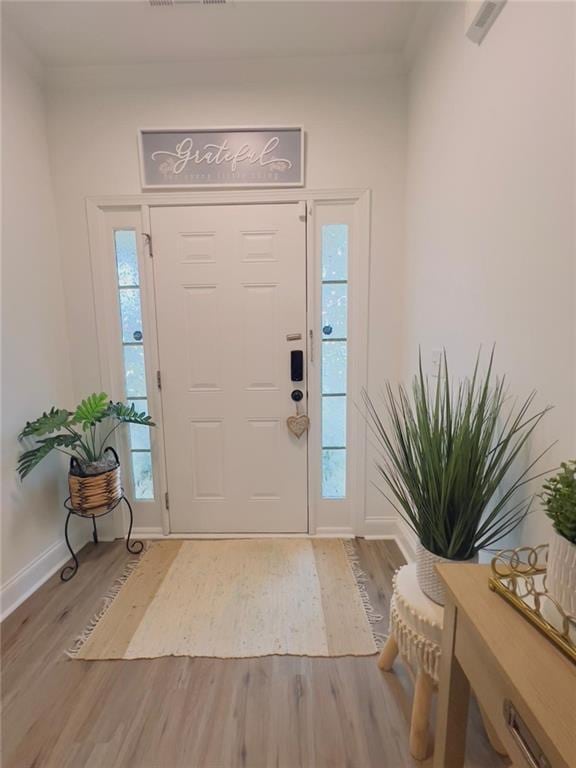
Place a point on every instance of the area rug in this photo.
(235, 599)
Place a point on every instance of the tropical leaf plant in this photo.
(448, 456)
(91, 410)
(84, 433)
(49, 422)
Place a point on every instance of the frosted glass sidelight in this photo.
(135, 375)
(334, 310)
(139, 435)
(334, 358)
(126, 257)
(334, 422)
(335, 252)
(133, 354)
(142, 471)
(334, 367)
(333, 474)
(131, 315)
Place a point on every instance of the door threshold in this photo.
(153, 533)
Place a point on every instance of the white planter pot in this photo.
(561, 573)
(427, 576)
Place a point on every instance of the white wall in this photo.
(35, 361)
(490, 207)
(353, 111)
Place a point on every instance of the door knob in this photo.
(297, 395)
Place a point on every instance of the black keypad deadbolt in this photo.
(297, 395)
(297, 365)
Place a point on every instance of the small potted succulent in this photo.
(559, 499)
(84, 435)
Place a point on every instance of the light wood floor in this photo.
(275, 712)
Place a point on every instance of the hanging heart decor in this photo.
(298, 424)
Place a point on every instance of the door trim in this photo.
(101, 210)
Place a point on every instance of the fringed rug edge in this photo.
(106, 602)
(361, 578)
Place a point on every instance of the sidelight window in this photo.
(128, 282)
(334, 243)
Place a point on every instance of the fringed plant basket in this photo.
(94, 494)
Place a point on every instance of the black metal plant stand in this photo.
(134, 547)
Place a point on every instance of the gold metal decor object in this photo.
(519, 576)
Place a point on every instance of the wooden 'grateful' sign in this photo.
(221, 157)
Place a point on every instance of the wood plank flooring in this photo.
(275, 712)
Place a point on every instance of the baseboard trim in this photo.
(404, 545)
(392, 528)
(333, 532)
(28, 579)
(324, 533)
(379, 528)
(407, 541)
(147, 533)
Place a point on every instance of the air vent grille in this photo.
(487, 14)
(172, 3)
(484, 16)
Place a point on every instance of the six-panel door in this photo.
(230, 285)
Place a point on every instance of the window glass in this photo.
(334, 358)
(334, 314)
(131, 315)
(334, 421)
(126, 257)
(134, 371)
(335, 252)
(133, 355)
(334, 473)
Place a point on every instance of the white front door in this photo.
(230, 285)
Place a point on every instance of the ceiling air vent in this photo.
(172, 3)
(482, 21)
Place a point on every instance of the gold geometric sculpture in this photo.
(519, 576)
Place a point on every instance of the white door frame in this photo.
(105, 213)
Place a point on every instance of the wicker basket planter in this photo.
(94, 494)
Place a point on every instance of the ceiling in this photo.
(93, 32)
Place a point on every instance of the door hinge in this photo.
(148, 239)
(167, 500)
(158, 380)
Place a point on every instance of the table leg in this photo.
(493, 737)
(69, 570)
(421, 715)
(453, 699)
(388, 655)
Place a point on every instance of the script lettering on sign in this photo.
(235, 157)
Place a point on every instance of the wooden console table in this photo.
(525, 686)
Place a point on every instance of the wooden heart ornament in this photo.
(298, 424)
